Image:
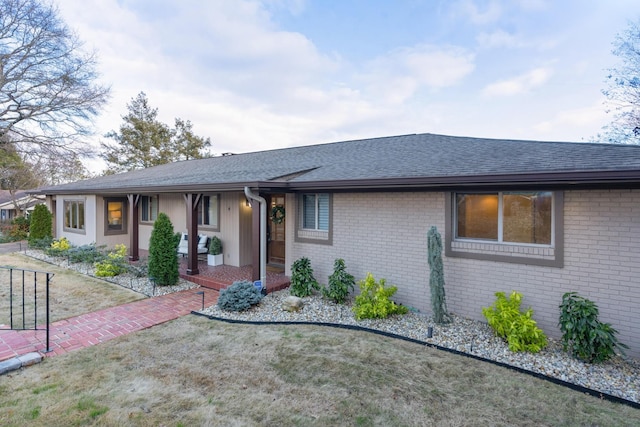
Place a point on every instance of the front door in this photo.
(276, 229)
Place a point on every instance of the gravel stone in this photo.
(138, 284)
(618, 377)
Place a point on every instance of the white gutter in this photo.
(263, 233)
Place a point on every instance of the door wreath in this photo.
(277, 214)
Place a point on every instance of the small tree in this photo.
(40, 225)
(163, 255)
(436, 277)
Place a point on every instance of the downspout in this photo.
(263, 233)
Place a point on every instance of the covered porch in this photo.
(221, 276)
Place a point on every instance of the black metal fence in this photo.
(24, 300)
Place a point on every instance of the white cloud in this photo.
(498, 39)
(476, 14)
(520, 84)
(589, 120)
(400, 74)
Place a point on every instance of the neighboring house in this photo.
(542, 218)
(19, 203)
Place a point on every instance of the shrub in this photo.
(374, 300)
(302, 281)
(86, 253)
(40, 224)
(340, 283)
(163, 255)
(517, 328)
(588, 339)
(59, 247)
(239, 296)
(215, 247)
(114, 264)
(139, 269)
(19, 228)
(44, 243)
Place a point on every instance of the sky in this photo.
(262, 74)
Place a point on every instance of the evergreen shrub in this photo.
(163, 255)
(40, 224)
(374, 300)
(240, 296)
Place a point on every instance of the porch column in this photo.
(134, 244)
(255, 240)
(192, 200)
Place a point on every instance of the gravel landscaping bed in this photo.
(139, 284)
(617, 377)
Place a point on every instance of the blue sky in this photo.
(254, 75)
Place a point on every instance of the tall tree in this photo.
(623, 90)
(48, 94)
(144, 141)
(16, 175)
(188, 145)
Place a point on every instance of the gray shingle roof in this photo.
(423, 156)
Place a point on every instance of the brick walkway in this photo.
(100, 326)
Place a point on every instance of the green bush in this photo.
(302, 281)
(239, 296)
(583, 334)
(86, 253)
(114, 264)
(59, 247)
(43, 244)
(517, 328)
(41, 224)
(139, 269)
(340, 283)
(215, 247)
(163, 255)
(374, 300)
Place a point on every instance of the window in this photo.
(315, 212)
(115, 216)
(148, 208)
(74, 215)
(208, 211)
(505, 217)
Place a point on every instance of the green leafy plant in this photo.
(114, 264)
(340, 283)
(215, 247)
(583, 334)
(302, 281)
(163, 255)
(517, 328)
(59, 247)
(239, 296)
(374, 300)
(41, 224)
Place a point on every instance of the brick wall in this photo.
(386, 234)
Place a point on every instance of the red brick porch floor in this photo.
(103, 325)
(221, 276)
